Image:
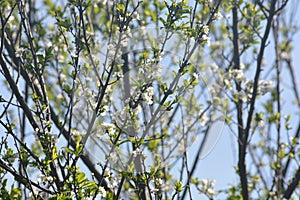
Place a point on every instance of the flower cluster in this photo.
(264, 86)
(102, 191)
(106, 128)
(157, 183)
(147, 95)
(237, 76)
(136, 152)
(113, 55)
(45, 179)
(218, 16)
(205, 38)
(207, 187)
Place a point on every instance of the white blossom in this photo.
(205, 38)
(158, 181)
(19, 52)
(218, 16)
(111, 50)
(148, 95)
(107, 172)
(286, 56)
(211, 192)
(124, 42)
(136, 15)
(237, 74)
(214, 67)
(48, 44)
(167, 187)
(181, 148)
(154, 190)
(207, 187)
(102, 191)
(143, 30)
(103, 111)
(118, 74)
(44, 178)
(265, 86)
(113, 158)
(205, 29)
(108, 127)
(242, 66)
(136, 152)
(77, 133)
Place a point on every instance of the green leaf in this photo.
(178, 186)
(121, 7)
(80, 177)
(65, 24)
(68, 89)
(68, 150)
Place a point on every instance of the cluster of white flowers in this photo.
(77, 133)
(74, 53)
(273, 195)
(124, 41)
(136, 152)
(166, 187)
(11, 22)
(58, 50)
(112, 181)
(44, 178)
(207, 187)
(241, 95)
(107, 128)
(124, 36)
(103, 2)
(235, 74)
(19, 52)
(113, 157)
(182, 147)
(53, 137)
(112, 184)
(147, 95)
(112, 48)
(205, 37)
(46, 123)
(102, 191)
(103, 110)
(260, 124)
(136, 15)
(205, 29)
(264, 86)
(158, 183)
(214, 68)
(107, 172)
(118, 74)
(152, 68)
(218, 16)
(143, 30)
(285, 55)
